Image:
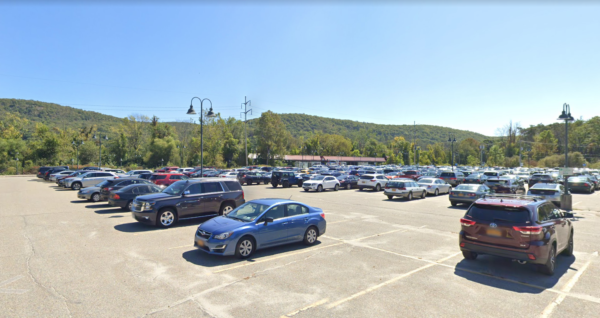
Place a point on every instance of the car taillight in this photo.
(105, 189)
(478, 180)
(471, 194)
(244, 176)
(117, 197)
(467, 222)
(323, 215)
(451, 192)
(401, 188)
(386, 188)
(428, 187)
(373, 180)
(109, 189)
(587, 185)
(527, 230)
(452, 178)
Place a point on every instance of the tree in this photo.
(271, 137)
(495, 156)
(545, 145)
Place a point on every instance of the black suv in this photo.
(523, 228)
(187, 200)
(112, 185)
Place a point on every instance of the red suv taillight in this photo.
(528, 230)
(467, 222)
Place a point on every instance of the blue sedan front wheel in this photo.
(245, 247)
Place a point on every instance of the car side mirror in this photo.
(268, 220)
(186, 192)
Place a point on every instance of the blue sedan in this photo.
(259, 224)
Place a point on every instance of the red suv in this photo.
(167, 169)
(523, 228)
(166, 179)
(410, 174)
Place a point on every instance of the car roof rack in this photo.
(534, 198)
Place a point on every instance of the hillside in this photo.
(304, 125)
(298, 125)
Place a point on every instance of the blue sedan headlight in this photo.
(223, 236)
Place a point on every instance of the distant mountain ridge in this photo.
(55, 115)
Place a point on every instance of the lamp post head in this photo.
(563, 116)
(210, 113)
(191, 111)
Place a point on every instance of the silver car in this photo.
(90, 194)
(88, 179)
(549, 191)
(435, 186)
(59, 174)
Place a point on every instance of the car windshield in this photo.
(491, 173)
(473, 176)
(426, 181)
(395, 185)
(157, 177)
(544, 186)
(318, 177)
(467, 187)
(447, 174)
(176, 188)
(577, 179)
(103, 183)
(247, 212)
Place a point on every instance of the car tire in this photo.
(305, 189)
(274, 185)
(548, 268)
(569, 250)
(226, 207)
(320, 188)
(437, 192)
(166, 218)
(337, 187)
(360, 189)
(449, 189)
(245, 247)
(424, 194)
(76, 186)
(390, 197)
(469, 255)
(377, 188)
(453, 203)
(249, 183)
(348, 186)
(285, 184)
(311, 235)
(128, 206)
(410, 196)
(95, 197)
(300, 184)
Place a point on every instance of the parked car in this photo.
(505, 185)
(53, 170)
(115, 184)
(166, 169)
(285, 178)
(524, 176)
(255, 177)
(135, 173)
(453, 178)
(124, 197)
(348, 181)
(259, 224)
(320, 183)
(188, 199)
(468, 193)
(581, 184)
(88, 179)
(404, 188)
(409, 174)
(145, 175)
(61, 180)
(524, 229)
(54, 176)
(476, 178)
(42, 171)
(548, 191)
(435, 186)
(166, 179)
(594, 179)
(541, 178)
(372, 181)
(90, 193)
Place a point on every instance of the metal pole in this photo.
(245, 103)
(415, 141)
(100, 152)
(201, 141)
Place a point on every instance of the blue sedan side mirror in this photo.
(268, 220)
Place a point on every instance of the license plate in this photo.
(393, 189)
(200, 243)
(494, 232)
(461, 195)
(363, 181)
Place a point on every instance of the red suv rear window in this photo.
(158, 177)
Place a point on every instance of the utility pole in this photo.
(520, 151)
(415, 142)
(481, 155)
(245, 112)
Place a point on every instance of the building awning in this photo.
(332, 158)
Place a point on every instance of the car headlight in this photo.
(223, 236)
(147, 206)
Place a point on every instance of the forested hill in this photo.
(304, 125)
(54, 115)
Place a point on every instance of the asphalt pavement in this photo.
(63, 257)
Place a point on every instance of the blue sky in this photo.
(459, 65)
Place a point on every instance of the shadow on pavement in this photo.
(115, 216)
(137, 227)
(80, 201)
(109, 211)
(99, 206)
(200, 258)
(486, 267)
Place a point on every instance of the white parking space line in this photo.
(188, 245)
(395, 279)
(574, 204)
(566, 289)
(313, 305)
(276, 257)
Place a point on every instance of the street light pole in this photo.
(566, 200)
(210, 114)
(17, 163)
(100, 149)
(452, 140)
(481, 155)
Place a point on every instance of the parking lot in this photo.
(61, 256)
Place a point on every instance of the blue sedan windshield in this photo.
(248, 212)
